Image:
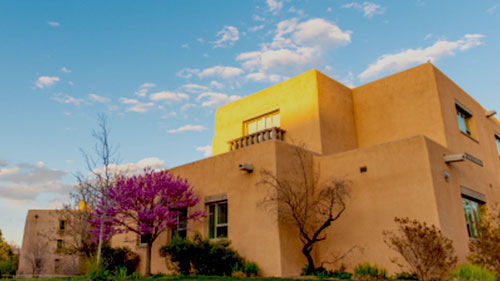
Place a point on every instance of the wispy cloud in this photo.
(215, 99)
(137, 106)
(224, 72)
(53, 23)
(46, 81)
(65, 70)
(403, 59)
(491, 10)
(97, 98)
(227, 37)
(255, 28)
(194, 88)
(274, 5)
(132, 168)
(186, 128)
(369, 8)
(168, 96)
(206, 149)
(67, 99)
(144, 88)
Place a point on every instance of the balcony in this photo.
(275, 133)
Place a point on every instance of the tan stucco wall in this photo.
(399, 106)
(42, 227)
(297, 102)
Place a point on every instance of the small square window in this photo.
(217, 220)
(144, 239)
(464, 120)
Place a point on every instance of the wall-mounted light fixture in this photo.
(246, 167)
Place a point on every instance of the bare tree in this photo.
(35, 255)
(305, 203)
(92, 190)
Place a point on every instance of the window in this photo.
(263, 122)
(62, 225)
(471, 210)
(181, 231)
(497, 140)
(217, 220)
(464, 120)
(59, 245)
(144, 239)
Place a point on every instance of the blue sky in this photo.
(159, 69)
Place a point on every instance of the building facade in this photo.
(412, 144)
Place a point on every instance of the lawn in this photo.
(169, 278)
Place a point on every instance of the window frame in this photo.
(497, 143)
(143, 244)
(62, 225)
(465, 117)
(182, 219)
(261, 118)
(216, 224)
(59, 245)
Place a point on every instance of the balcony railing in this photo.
(275, 133)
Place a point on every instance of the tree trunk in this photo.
(306, 250)
(99, 246)
(148, 259)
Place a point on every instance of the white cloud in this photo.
(137, 106)
(131, 168)
(185, 45)
(194, 88)
(46, 81)
(329, 9)
(187, 106)
(201, 40)
(216, 99)
(403, 59)
(255, 28)
(67, 99)
(8, 171)
(295, 45)
(168, 96)
(195, 128)
(491, 10)
(216, 85)
(65, 70)
(297, 11)
(144, 88)
(53, 23)
(274, 5)
(258, 18)
(228, 36)
(128, 101)
(369, 8)
(187, 72)
(206, 149)
(97, 98)
(168, 115)
(263, 77)
(225, 72)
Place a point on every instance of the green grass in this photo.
(167, 278)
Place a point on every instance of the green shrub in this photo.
(97, 272)
(473, 272)
(204, 257)
(251, 269)
(405, 276)
(118, 258)
(365, 271)
(341, 274)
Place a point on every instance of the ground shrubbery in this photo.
(473, 272)
(117, 264)
(204, 257)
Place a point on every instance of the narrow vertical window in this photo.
(217, 220)
(62, 225)
(464, 120)
(471, 211)
(497, 140)
(59, 245)
(181, 229)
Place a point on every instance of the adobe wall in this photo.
(397, 183)
(399, 106)
(297, 101)
(252, 230)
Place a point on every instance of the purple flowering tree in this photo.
(146, 204)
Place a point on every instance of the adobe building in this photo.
(412, 144)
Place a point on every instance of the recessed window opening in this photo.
(464, 120)
(263, 122)
(217, 220)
